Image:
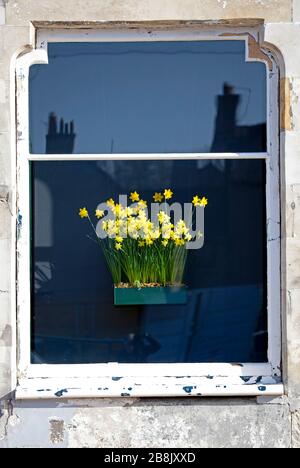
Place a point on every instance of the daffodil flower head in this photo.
(129, 211)
(204, 202)
(158, 197)
(110, 203)
(104, 225)
(99, 214)
(142, 204)
(141, 243)
(165, 242)
(179, 242)
(134, 196)
(163, 217)
(196, 200)
(119, 211)
(168, 194)
(83, 213)
(118, 246)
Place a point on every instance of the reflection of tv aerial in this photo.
(248, 91)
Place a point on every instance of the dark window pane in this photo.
(73, 316)
(156, 97)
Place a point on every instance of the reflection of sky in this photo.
(143, 97)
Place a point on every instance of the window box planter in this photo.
(150, 295)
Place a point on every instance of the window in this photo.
(111, 113)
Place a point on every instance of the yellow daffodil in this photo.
(196, 200)
(118, 210)
(181, 228)
(133, 227)
(149, 241)
(142, 204)
(99, 214)
(134, 196)
(110, 203)
(134, 235)
(163, 217)
(120, 223)
(128, 211)
(155, 234)
(158, 197)
(168, 194)
(178, 242)
(203, 202)
(83, 213)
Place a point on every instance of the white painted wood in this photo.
(138, 387)
(273, 225)
(144, 156)
(23, 202)
(110, 34)
(241, 379)
(142, 370)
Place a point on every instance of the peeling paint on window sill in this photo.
(145, 387)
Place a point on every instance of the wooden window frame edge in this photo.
(112, 379)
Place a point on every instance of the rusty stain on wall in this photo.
(286, 120)
(57, 428)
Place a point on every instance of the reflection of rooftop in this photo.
(230, 137)
(62, 141)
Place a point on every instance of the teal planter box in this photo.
(150, 296)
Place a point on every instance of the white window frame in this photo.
(145, 380)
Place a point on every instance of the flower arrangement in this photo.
(143, 252)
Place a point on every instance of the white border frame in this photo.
(113, 379)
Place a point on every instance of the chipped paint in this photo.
(60, 393)
(145, 387)
(188, 389)
(19, 224)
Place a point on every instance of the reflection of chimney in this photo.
(225, 137)
(227, 107)
(62, 142)
(52, 124)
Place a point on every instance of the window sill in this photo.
(116, 387)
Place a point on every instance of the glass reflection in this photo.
(73, 316)
(154, 97)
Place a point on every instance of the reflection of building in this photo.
(230, 137)
(74, 317)
(61, 142)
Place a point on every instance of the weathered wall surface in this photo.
(160, 423)
(91, 10)
(149, 423)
